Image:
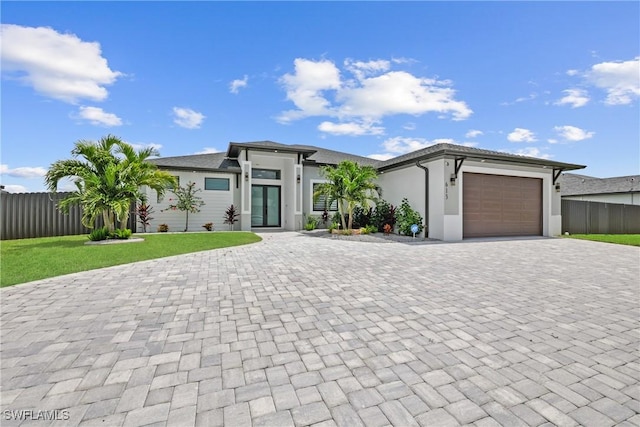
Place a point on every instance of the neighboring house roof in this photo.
(578, 185)
(311, 155)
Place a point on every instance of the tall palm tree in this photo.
(350, 184)
(108, 175)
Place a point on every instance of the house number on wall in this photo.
(446, 191)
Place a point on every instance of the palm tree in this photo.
(350, 184)
(108, 175)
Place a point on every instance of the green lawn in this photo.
(621, 239)
(33, 259)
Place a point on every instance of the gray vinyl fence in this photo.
(27, 215)
(582, 217)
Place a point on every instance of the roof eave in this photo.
(494, 157)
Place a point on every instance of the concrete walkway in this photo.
(299, 330)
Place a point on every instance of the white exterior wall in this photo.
(291, 191)
(407, 182)
(621, 198)
(215, 204)
(445, 199)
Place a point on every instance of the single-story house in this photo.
(460, 191)
(620, 189)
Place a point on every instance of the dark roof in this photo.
(320, 156)
(453, 150)
(211, 161)
(310, 153)
(576, 185)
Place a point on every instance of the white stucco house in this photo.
(461, 192)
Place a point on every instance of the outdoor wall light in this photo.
(558, 188)
(246, 176)
(452, 180)
(298, 179)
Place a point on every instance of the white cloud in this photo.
(621, 80)
(574, 97)
(531, 97)
(143, 146)
(60, 66)
(23, 172)
(306, 86)
(572, 133)
(529, 152)
(386, 156)
(207, 150)
(317, 89)
(521, 135)
(97, 116)
(399, 145)
(187, 118)
(473, 133)
(13, 188)
(362, 69)
(398, 92)
(572, 72)
(235, 85)
(352, 129)
(409, 126)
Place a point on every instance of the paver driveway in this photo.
(298, 330)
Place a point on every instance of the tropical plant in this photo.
(311, 224)
(407, 217)
(108, 175)
(186, 201)
(387, 229)
(163, 228)
(362, 216)
(120, 233)
(231, 216)
(383, 214)
(98, 234)
(144, 212)
(208, 226)
(350, 184)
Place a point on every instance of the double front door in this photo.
(265, 206)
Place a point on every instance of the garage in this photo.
(500, 205)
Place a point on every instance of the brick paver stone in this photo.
(316, 329)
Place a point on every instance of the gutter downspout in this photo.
(426, 198)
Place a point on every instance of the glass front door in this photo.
(265, 206)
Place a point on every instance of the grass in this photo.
(33, 259)
(621, 239)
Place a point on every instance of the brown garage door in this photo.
(497, 205)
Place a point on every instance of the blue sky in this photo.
(553, 80)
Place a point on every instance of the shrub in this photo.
(208, 226)
(361, 216)
(311, 223)
(387, 229)
(163, 228)
(334, 226)
(122, 234)
(407, 217)
(144, 212)
(370, 229)
(324, 217)
(231, 216)
(383, 214)
(99, 234)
